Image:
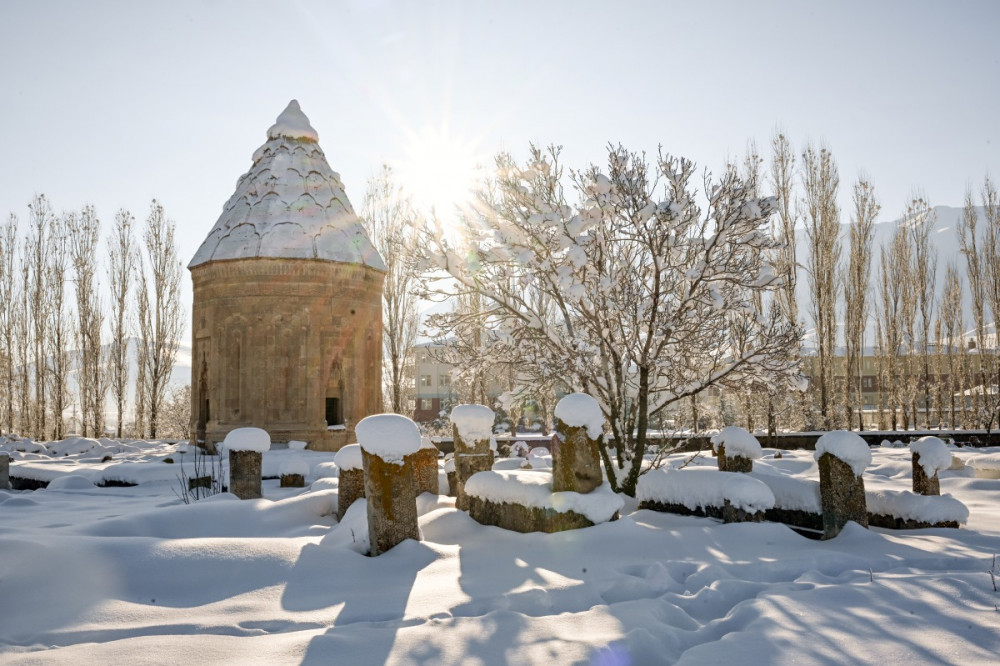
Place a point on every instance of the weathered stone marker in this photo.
(294, 473)
(576, 458)
(246, 447)
(842, 457)
(472, 427)
(736, 449)
(930, 456)
(451, 474)
(4, 471)
(425, 467)
(352, 477)
(386, 441)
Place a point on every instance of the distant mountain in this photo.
(179, 376)
(944, 240)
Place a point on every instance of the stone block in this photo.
(923, 484)
(245, 474)
(842, 495)
(392, 502)
(293, 481)
(470, 457)
(519, 518)
(425, 469)
(576, 460)
(351, 488)
(729, 463)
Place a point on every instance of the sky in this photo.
(115, 103)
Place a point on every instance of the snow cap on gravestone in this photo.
(247, 439)
(738, 442)
(848, 447)
(580, 409)
(474, 422)
(391, 437)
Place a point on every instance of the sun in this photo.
(439, 171)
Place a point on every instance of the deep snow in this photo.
(133, 575)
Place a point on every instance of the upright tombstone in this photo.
(294, 473)
(843, 457)
(4, 470)
(451, 474)
(351, 486)
(930, 456)
(425, 467)
(736, 449)
(246, 447)
(386, 441)
(576, 458)
(472, 427)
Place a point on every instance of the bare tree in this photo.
(9, 313)
(976, 272)
(990, 354)
(391, 222)
(84, 234)
(642, 285)
(121, 263)
(58, 331)
(893, 276)
(160, 319)
(785, 263)
(821, 181)
(856, 284)
(951, 319)
(23, 343)
(37, 248)
(919, 220)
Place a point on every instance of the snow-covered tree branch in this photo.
(633, 292)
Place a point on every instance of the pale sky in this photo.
(113, 103)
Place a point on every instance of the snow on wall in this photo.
(934, 454)
(474, 422)
(792, 493)
(533, 489)
(580, 409)
(912, 506)
(289, 205)
(391, 437)
(698, 487)
(738, 442)
(247, 439)
(848, 447)
(349, 457)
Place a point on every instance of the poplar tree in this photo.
(821, 181)
(121, 264)
(856, 303)
(160, 315)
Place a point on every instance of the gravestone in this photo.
(390, 487)
(472, 427)
(576, 457)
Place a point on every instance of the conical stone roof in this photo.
(289, 205)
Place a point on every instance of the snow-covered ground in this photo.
(132, 575)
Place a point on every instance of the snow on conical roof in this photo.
(289, 205)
